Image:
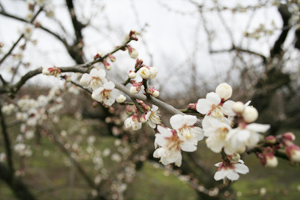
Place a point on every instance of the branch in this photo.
(170, 109)
(16, 87)
(7, 144)
(234, 48)
(22, 35)
(41, 27)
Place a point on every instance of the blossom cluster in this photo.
(227, 125)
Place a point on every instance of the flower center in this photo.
(105, 94)
(187, 132)
(217, 111)
(154, 117)
(173, 143)
(221, 133)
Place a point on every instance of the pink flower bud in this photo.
(98, 55)
(55, 71)
(143, 118)
(270, 139)
(136, 87)
(192, 106)
(289, 136)
(132, 52)
(131, 74)
(152, 91)
(132, 35)
(112, 58)
(106, 65)
(293, 152)
(270, 160)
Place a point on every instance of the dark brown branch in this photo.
(22, 35)
(16, 87)
(7, 144)
(19, 188)
(234, 48)
(286, 15)
(41, 27)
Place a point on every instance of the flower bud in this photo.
(136, 87)
(55, 71)
(143, 118)
(46, 71)
(152, 91)
(270, 139)
(98, 55)
(293, 152)
(106, 65)
(234, 157)
(224, 91)
(238, 107)
(270, 160)
(250, 114)
(153, 72)
(289, 136)
(131, 74)
(192, 106)
(132, 52)
(121, 98)
(145, 72)
(112, 58)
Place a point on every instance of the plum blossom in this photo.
(170, 146)
(134, 122)
(184, 125)
(216, 136)
(212, 106)
(94, 80)
(230, 170)
(152, 117)
(106, 94)
(245, 135)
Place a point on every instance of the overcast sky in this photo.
(174, 30)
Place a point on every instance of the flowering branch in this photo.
(21, 36)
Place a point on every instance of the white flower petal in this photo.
(188, 147)
(85, 80)
(214, 98)
(160, 140)
(199, 133)
(243, 135)
(241, 168)
(232, 175)
(203, 106)
(177, 121)
(258, 127)
(109, 85)
(219, 175)
(164, 131)
(189, 120)
(227, 108)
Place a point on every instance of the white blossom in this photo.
(95, 79)
(152, 117)
(184, 125)
(245, 135)
(106, 94)
(216, 136)
(230, 170)
(170, 146)
(133, 121)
